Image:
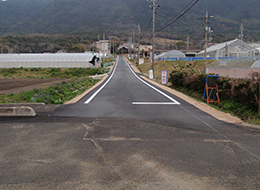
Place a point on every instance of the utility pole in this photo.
(154, 7)
(133, 44)
(113, 48)
(241, 35)
(138, 44)
(110, 46)
(133, 36)
(207, 30)
(103, 47)
(129, 47)
(188, 42)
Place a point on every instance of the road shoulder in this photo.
(226, 117)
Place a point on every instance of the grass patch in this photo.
(189, 66)
(239, 110)
(56, 94)
(27, 73)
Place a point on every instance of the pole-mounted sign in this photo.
(164, 77)
(151, 74)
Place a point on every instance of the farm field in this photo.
(15, 86)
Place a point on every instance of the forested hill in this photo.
(118, 17)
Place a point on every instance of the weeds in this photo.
(56, 94)
(50, 72)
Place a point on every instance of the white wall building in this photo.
(103, 47)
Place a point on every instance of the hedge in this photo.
(242, 91)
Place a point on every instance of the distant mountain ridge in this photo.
(119, 17)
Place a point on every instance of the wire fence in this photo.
(235, 62)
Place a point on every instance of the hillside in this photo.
(119, 17)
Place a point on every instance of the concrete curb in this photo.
(226, 117)
(17, 111)
(102, 77)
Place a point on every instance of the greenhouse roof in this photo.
(59, 57)
(256, 65)
(170, 54)
(61, 60)
(219, 46)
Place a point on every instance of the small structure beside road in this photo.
(17, 111)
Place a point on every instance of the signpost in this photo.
(164, 77)
(150, 74)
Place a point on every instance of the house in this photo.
(103, 47)
(145, 50)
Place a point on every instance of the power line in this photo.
(185, 9)
(180, 11)
(175, 19)
(149, 23)
(162, 16)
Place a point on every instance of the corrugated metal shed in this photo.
(59, 60)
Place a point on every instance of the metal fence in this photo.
(242, 62)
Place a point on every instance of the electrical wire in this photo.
(163, 16)
(149, 24)
(178, 17)
(182, 12)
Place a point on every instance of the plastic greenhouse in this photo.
(59, 60)
(170, 54)
(256, 65)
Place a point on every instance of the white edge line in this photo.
(94, 95)
(224, 136)
(170, 98)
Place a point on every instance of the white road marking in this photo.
(224, 136)
(174, 102)
(95, 94)
(155, 103)
(170, 98)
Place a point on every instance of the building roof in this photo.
(256, 65)
(59, 57)
(122, 46)
(221, 45)
(170, 54)
(46, 60)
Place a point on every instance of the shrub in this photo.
(241, 94)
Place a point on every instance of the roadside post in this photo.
(211, 89)
(151, 74)
(164, 77)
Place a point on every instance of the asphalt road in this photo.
(127, 136)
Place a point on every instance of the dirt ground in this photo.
(15, 86)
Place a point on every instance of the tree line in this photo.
(72, 43)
